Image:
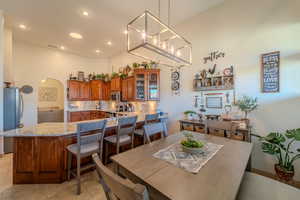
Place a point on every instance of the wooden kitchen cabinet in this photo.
(86, 115)
(97, 89)
(116, 84)
(146, 84)
(78, 90)
(74, 116)
(128, 89)
(74, 90)
(153, 79)
(106, 91)
(85, 91)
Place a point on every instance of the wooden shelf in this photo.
(213, 88)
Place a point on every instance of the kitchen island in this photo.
(40, 154)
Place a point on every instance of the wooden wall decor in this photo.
(215, 55)
(270, 72)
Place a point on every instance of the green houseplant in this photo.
(191, 145)
(247, 104)
(280, 146)
(189, 114)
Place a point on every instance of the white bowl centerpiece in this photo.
(191, 145)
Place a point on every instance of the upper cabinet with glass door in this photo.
(147, 84)
(153, 85)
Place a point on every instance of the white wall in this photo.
(31, 64)
(1, 76)
(59, 101)
(8, 70)
(243, 30)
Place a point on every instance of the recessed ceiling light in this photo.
(125, 32)
(85, 13)
(62, 48)
(109, 43)
(22, 26)
(76, 35)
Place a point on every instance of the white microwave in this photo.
(115, 96)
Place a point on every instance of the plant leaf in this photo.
(269, 148)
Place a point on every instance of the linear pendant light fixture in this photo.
(148, 37)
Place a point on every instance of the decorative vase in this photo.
(283, 174)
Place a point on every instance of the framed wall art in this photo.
(270, 72)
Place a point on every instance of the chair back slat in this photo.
(127, 121)
(123, 189)
(154, 128)
(151, 118)
(95, 132)
(126, 130)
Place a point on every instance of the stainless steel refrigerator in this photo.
(13, 111)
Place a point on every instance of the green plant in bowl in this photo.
(191, 145)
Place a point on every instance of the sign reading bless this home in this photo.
(270, 72)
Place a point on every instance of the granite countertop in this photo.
(60, 128)
(91, 109)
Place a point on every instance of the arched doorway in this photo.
(50, 101)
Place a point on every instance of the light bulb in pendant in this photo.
(143, 35)
(154, 41)
(172, 49)
(178, 53)
(164, 45)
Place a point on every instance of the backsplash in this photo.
(147, 106)
(82, 105)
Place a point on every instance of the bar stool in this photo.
(149, 118)
(89, 141)
(124, 135)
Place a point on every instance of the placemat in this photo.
(190, 162)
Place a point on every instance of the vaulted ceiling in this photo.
(49, 22)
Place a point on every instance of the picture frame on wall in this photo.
(270, 72)
(214, 102)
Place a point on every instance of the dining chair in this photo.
(149, 118)
(219, 128)
(255, 186)
(116, 187)
(154, 128)
(124, 135)
(89, 141)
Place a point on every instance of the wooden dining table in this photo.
(218, 179)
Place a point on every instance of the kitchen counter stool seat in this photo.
(85, 150)
(122, 139)
(89, 141)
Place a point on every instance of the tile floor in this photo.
(91, 189)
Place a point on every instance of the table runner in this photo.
(190, 162)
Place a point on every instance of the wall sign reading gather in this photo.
(270, 75)
(213, 56)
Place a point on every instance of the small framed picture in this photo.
(214, 102)
(80, 76)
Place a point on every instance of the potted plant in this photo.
(135, 65)
(123, 76)
(247, 104)
(189, 114)
(145, 65)
(114, 75)
(153, 65)
(280, 146)
(191, 145)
